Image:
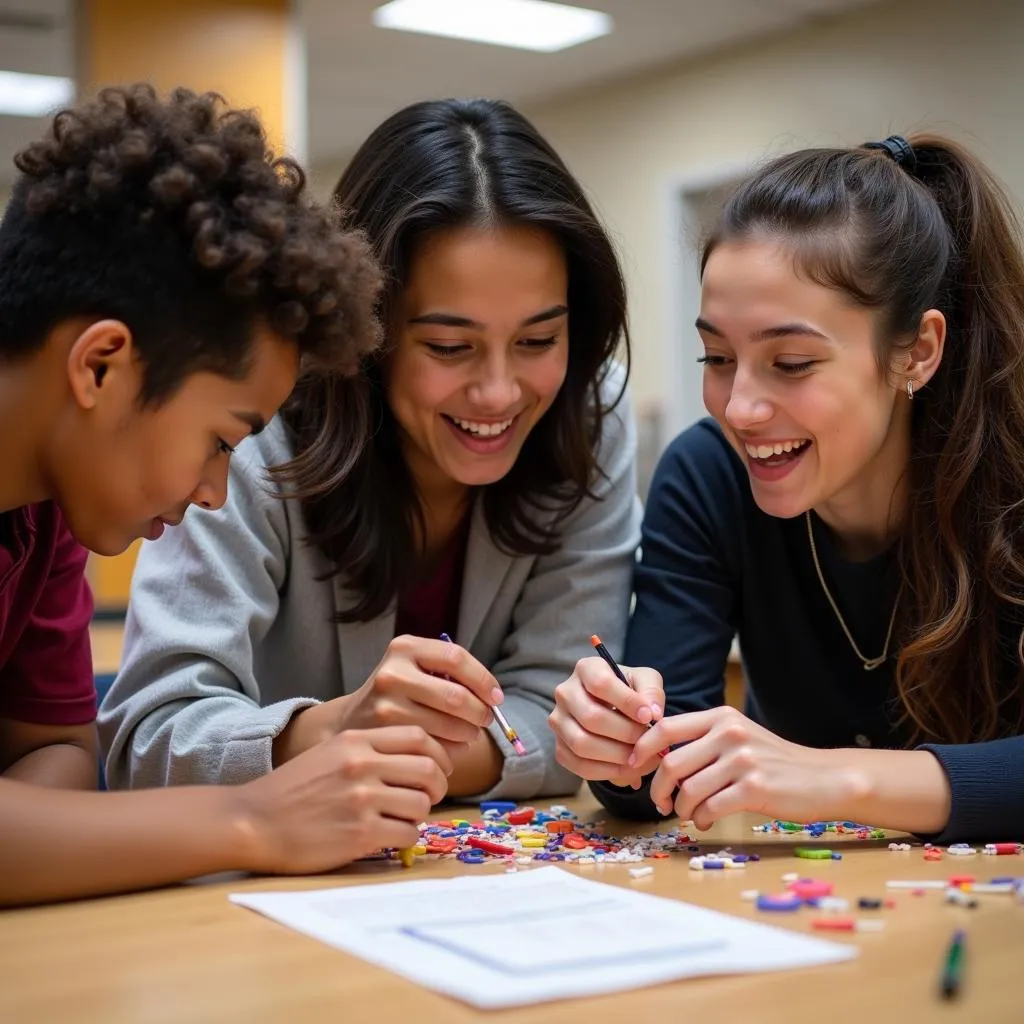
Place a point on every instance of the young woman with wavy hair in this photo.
(854, 511)
(495, 502)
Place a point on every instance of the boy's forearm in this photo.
(57, 766)
(60, 845)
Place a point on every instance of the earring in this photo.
(910, 388)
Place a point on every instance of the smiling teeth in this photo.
(482, 429)
(766, 451)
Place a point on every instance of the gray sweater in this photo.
(230, 632)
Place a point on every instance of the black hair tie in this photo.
(899, 149)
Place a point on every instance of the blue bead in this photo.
(498, 805)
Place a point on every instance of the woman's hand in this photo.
(434, 684)
(598, 719)
(727, 763)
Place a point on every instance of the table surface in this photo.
(185, 954)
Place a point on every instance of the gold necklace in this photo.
(870, 664)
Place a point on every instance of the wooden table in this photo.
(186, 955)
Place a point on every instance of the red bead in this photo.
(834, 924)
(486, 844)
(1004, 849)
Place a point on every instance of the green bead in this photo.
(813, 853)
(790, 826)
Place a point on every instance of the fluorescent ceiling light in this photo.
(33, 95)
(526, 24)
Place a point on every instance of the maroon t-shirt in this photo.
(431, 607)
(46, 674)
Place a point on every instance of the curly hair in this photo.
(173, 216)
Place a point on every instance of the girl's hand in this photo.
(598, 718)
(728, 763)
(434, 684)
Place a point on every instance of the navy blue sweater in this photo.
(714, 566)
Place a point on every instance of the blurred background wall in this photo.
(656, 118)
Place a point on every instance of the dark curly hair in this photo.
(173, 216)
(431, 167)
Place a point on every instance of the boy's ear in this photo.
(101, 363)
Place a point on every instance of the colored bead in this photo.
(834, 904)
(641, 872)
(812, 853)
(868, 903)
(501, 806)
(521, 817)
(560, 826)
(488, 846)
(808, 889)
(783, 902)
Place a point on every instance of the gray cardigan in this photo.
(230, 632)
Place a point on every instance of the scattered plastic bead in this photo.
(960, 880)
(833, 904)
(868, 903)
(846, 924)
(810, 853)
(961, 898)
(808, 889)
(501, 806)
(782, 902)
(790, 876)
(641, 872)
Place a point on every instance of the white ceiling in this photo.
(358, 73)
(36, 36)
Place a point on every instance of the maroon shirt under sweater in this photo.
(431, 607)
(46, 675)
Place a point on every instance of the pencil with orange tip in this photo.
(613, 665)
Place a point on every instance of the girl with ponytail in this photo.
(853, 511)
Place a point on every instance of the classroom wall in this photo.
(942, 64)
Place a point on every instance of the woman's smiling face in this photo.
(792, 377)
(481, 349)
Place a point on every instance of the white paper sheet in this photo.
(510, 940)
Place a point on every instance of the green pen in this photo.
(952, 968)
